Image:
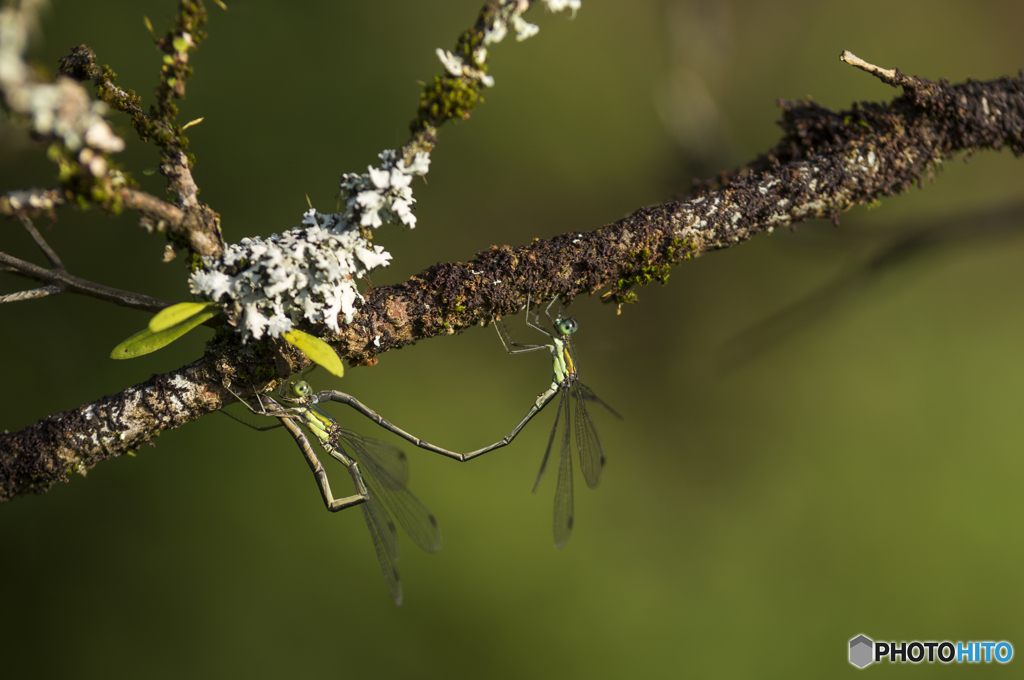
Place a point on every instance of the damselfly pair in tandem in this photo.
(380, 471)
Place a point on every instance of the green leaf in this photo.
(317, 350)
(146, 341)
(175, 314)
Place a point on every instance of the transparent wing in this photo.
(389, 461)
(385, 542)
(380, 462)
(589, 395)
(588, 444)
(563, 490)
(551, 441)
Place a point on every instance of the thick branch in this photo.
(825, 163)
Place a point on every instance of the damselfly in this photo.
(379, 471)
(565, 381)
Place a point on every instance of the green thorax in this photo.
(563, 351)
(318, 422)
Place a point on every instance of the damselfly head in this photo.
(300, 389)
(566, 326)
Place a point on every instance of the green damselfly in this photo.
(565, 381)
(379, 471)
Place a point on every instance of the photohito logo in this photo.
(864, 651)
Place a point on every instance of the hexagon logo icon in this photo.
(861, 651)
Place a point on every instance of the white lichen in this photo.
(456, 66)
(523, 28)
(383, 195)
(559, 5)
(496, 32)
(510, 15)
(452, 63)
(305, 273)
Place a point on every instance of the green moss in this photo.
(642, 271)
(447, 98)
(467, 44)
(627, 298)
(451, 97)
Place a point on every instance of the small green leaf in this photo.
(175, 314)
(180, 44)
(317, 350)
(146, 341)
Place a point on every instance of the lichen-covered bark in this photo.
(825, 163)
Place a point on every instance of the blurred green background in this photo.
(860, 473)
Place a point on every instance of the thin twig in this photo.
(41, 242)
(73, 284)
(853, 60)
(157, 214)
(30, 294)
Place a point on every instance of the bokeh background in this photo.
(800, 460)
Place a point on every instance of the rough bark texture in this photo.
(825, 163)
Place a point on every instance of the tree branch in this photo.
(73, 284)
(157, 215)
(826, 163)
(52, 256)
